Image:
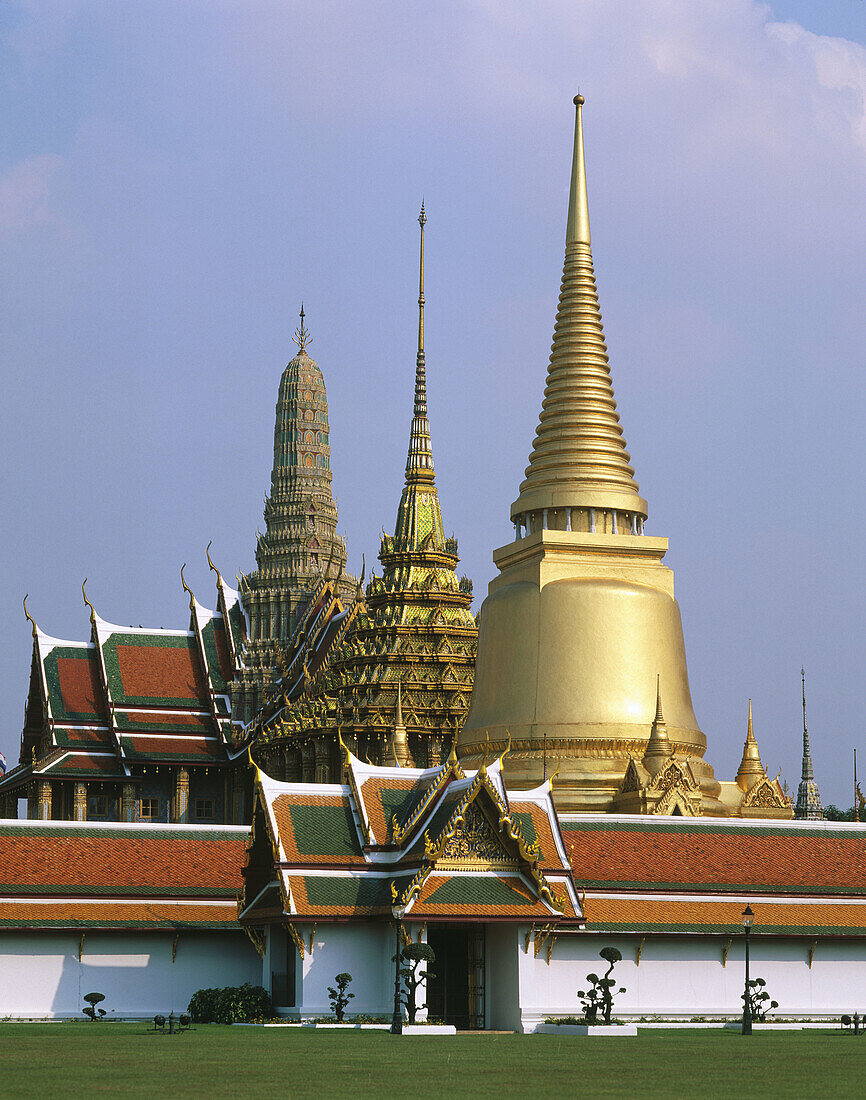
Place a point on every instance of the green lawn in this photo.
(51, 1061)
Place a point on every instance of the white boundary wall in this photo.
(683, 976)
(42, 977)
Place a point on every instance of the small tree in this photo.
(339, 997)
(92, 1011)
(759, 1000)
(599, 997)
(413, 976)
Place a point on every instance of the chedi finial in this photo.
(302, 334)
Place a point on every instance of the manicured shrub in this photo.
(759, 1000)
(415, 954)
(338, 997)
(599, 997)
(237, 1004)
(93, 999)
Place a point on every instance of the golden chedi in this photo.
(582, 620)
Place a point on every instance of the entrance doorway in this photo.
(456, 992)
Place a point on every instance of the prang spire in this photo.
(809, 803)
(579, 458)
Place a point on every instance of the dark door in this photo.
(455, 994)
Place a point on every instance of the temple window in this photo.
(204, 807)
(148, 808)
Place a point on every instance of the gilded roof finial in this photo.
(29, 617)
(577, 227)
(302, 335)
(89, 604)
(211, 564)
(187, 588)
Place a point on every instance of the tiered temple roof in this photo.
(410, 647)
(130, 696)
(440, 842)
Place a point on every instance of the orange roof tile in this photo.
(687, 855)
(317, 828)
(108, 914)
(58, 860)
(652, 914)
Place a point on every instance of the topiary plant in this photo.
(93, 999)
(759, 1000)
(413, 976)
(599, 997)
(338, 997)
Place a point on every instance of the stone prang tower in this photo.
(300, 541)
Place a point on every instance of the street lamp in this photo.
(397, 1021)
(748, 921)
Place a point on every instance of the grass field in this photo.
(59, 1060)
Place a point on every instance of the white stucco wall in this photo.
(501, 994)
(683, 975)
(363, 950)
(43, 977)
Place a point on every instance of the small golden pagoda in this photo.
(753, 793)
(397, 686)
(582, 618)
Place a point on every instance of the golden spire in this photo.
(419, 464)
(658, 748)
(399, 755)
(579, 457)
(302, 335)
(751, 769)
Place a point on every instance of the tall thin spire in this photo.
(809, 803)
(419, 464)
(579, 457)
(807, 772)
(419, 516)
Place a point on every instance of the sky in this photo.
(175, 178)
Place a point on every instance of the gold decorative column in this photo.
(127, 802)
(44, 808)
(181, 796)
(79, 803)
(582, 618)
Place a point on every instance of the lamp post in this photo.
(748, 921)
(397, 1021)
